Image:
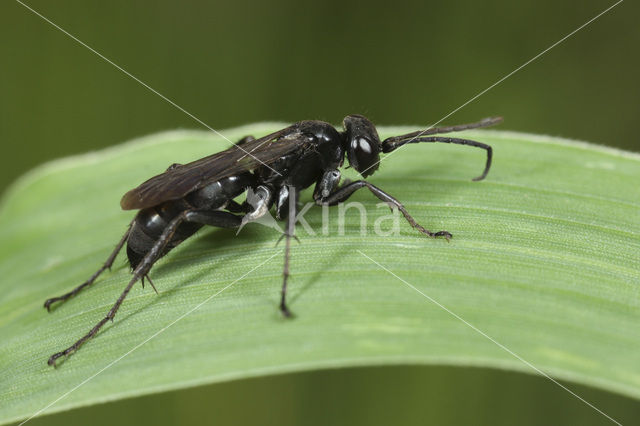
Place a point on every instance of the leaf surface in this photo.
(544, 260)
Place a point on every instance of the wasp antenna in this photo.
(395, 142)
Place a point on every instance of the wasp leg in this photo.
(245, 140)
(107, 265)
(214, 218)
(343, 193)
(235, 207)
(288, 195)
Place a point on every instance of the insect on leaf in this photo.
(544, 259)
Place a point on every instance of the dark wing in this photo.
(179, 181)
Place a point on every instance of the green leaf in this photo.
(544, 260)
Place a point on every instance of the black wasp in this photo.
(271, 170)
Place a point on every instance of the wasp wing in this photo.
(180, 180)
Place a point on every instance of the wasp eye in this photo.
(362, 144)
(363, 156)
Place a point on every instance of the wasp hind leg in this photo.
(107, 265)
(214, 218)
(244, 140)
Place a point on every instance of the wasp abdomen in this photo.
(151, 222)
(149, 225)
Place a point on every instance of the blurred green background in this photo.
(232, 63)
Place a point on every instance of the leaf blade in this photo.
(544, 260)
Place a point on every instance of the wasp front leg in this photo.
(344, 192)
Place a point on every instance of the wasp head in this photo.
(362, 144)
